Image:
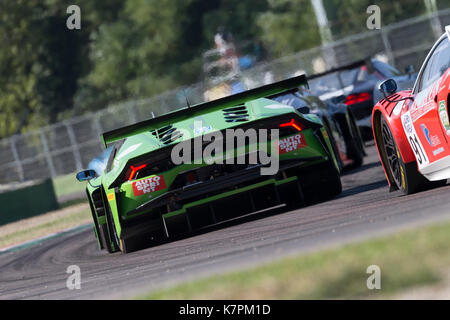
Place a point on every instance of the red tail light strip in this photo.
(134, 170)
(299, 127)
(357, 98)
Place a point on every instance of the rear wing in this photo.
(366, 62)
(239, 98)
(332, 81)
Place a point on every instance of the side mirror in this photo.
(303, 110)
(409, 69)
(86, 175)
(388, 87)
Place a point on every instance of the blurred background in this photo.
(135, 59)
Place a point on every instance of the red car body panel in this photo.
(420, 127)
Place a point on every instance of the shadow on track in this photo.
(364, 188)
(349, 170)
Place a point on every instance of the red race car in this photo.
(411, 128)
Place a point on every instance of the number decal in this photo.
(417, 148)
(414, 141)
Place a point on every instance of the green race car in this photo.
(201, 165)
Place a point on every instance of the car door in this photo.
(421, 122)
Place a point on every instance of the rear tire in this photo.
(406, 176)
(321, 183)
(131, 244)
(113, 244)
(334, 147)
(103, 233)
(356, 147)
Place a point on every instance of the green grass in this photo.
(67, 184)
(407, 259)
(39, 226)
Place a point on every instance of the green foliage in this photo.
(17, 68)
(138, 48)
(289, 26)
(349, 16)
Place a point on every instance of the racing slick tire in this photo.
(123, 245)
(334, 147)
(357, 150)
(113, 244)
(405, 175)
(321, 183)
(134, 243)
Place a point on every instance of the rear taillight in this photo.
(296, 125)
(134, 170)
(357, 98)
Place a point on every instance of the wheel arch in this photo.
(395, 124)
(376, 127)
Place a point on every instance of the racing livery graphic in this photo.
(411, 128)
(144, 194)
(292, 143)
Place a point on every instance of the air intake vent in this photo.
(236, 114)
(98, 202)
(167, 134)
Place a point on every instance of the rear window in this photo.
(293, 99)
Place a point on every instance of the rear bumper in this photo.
(213, 210)
(221, 206)
(221, 185)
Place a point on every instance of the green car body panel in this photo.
(113, 198)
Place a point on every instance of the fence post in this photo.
(433, 15)
(98, 128)
(12, 142)
(387, 46)
(132, 113)
(48, 156)
(75, 148)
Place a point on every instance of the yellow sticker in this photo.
(111, 197)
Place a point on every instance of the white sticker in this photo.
(414, 141)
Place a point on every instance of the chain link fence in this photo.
(69, 146)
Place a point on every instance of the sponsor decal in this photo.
(148, 185)
(198, 131)
(292, 143)
(111, 197)
(414, 141)
(444, 116)
(438, 151)
(407, 123)
(417, 113)
(432, 140)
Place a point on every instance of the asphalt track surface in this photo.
(364, 209)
